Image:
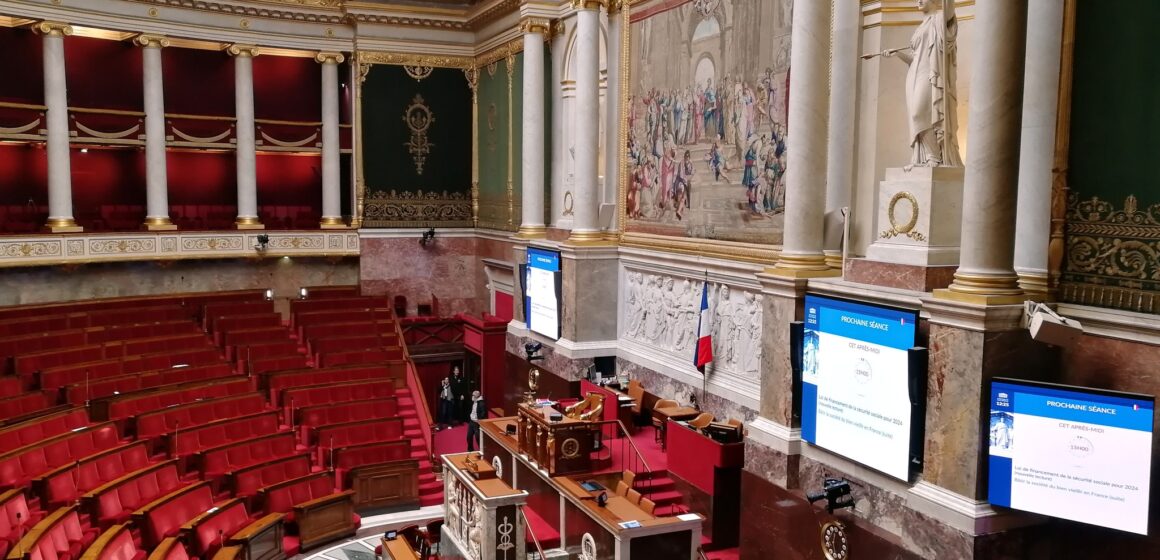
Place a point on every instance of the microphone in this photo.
(176, 430)
(88, 393)
(221, 539)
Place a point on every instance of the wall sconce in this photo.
(263, 242)
(302, 293)
(269, 294)
(428, 237)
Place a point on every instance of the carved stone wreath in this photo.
(905, 229)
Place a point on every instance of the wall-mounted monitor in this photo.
(542, 292)
(860, 396)
(1071, 452)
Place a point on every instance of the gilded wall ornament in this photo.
(834, 544)
(418, 73)
(492, 117)
(418, 117)
(898, 227)
(1112, 254)
(417, 209)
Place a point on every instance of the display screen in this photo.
(855, 382)
(1069, 452)
(542, 292)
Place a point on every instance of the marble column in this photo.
(844, 61)
(532, 165)
(156, 176)
(246, 145)
(805, 196)
(585, 225)
(612, 124)
(986, 272)
(559, 151)
(331, 162)
(60, 209)
(1037, 144)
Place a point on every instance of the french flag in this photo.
(703, 353)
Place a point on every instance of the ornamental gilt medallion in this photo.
(834, 543)
(418, 117)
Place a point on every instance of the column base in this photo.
(532, 232)
(950, 294)
(803, 266)
(62, 225)
(1034, 286)
(159, 223)
(587, 238)
(331, 222)
(834, 259)
(249, 222)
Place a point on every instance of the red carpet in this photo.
(452, 440)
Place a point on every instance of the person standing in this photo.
(478, 412)
(446, 405)
(460, 391)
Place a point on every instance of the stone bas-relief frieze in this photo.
(663, 313)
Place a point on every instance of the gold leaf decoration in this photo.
(1112, 254)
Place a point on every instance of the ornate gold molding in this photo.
(588, 4)
(324, 57)
(407, 59)
(417, 209)
(53, 28)
(150, 40)
(1059, 168)
(237, 49)
(500, 53)
(535, 25)
(510, 63)
(745, 252)
(615, 6)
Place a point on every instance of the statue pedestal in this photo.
(920, 217)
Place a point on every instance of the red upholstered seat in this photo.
(353, 411)
(366, 356)
(19, 467)
(221, 432)
(28, 403)
(335, 436)
(170, 549)
(113, 502)
(153, 424)
(60, 536)
(165, 516)
(211, 529)
(38, 429)
(116, 543)
(353, 456)
(258, 366)
(283, 497)
(298, 397)
(230, 457)
(127, 406)
(247, 481)
(64, 485)
(278, 382)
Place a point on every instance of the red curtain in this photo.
(21, 66)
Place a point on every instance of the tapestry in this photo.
(1112, 248)
(416, 133)
(707, 119)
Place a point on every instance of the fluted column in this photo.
(331, 162)
(60, 209)
(586, 211)
(156, 177)
(612, 143)
(847, 18)
(246, 147)
(1037, 143)
(532, 168)
(805, 192)
(986, 272)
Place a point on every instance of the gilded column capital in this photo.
(151, 41)
(325, 57)
(588, 4)
(242, 50)
(535, 25)
(614, 6)
(559, 28)
(53, 28)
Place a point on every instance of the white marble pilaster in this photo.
(156, 176)
(986, 271)
(805, 196)
(532, 165)
(60, 208)
(559, 145)
(612, 107)
(246, 142)
(331, 162)
(845, 36)
(1037, 143)
(585, 226)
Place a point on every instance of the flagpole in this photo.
(705, 373)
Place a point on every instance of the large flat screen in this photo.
(855, 387)
(1069, 452)
(542, 292)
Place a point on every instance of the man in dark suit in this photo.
(478, 412)
(460, 392)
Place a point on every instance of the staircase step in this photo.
(665, 498)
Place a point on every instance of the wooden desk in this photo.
(398, 549)
(614, 409)
(560, 447)
(672, 413)
(616, 510)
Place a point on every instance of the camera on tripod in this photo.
(836, 492)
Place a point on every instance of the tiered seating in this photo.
(277, 382)
(353, 357)
(314, 511)
(212, 312)
(79, 393)
(310, 417)
(15, 518)
(19, 466)
(221, 432)
(246, 337)
(354, 456)
(163, 517)
(28, 404)
(116, 543)
(114, 501)
(65, 484)
(229, 323)
(245, 482)
(329, 345)
(115, 367)
(218, 461)
(258, 366)
(154, 424)
(120, 407)
(249, 353)
(334, 436)
(63, 535)
(385, 327)
(207, 532)
(192, 301)
(336, 393)
(40, 428)
(169, 549)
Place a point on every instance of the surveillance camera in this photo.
(833, 490)
(1049, 327)
(531, 348)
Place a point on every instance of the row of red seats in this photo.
(164, 516)
(88, 372)
(335, 436)
(157, 423)
(53, 340)
(79, 393)
(42, 428)
(246, 337)
(214, 312)
(259, 366)
(309, 417)
(62, 535)
(246, 481)
(100, 318)
(120, 407)
(18, 467)
(22, 218)
(66, 484)
(231, 323)
(11, 386)
(304, 320)
(350, 327)
(115, 501)
(335, 393)
(116, 543)
(30, 403)
(216, 462)
(371, 356)
(347, 343)
(16, 518)
(359, 455)
(220, 432)
(301, 497)
(191, 301)
(300, 307)
(27, 363)
(277, 381)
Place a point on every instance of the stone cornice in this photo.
(313, 11)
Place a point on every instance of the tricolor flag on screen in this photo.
(703, 353)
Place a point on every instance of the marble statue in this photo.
(930, 86)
